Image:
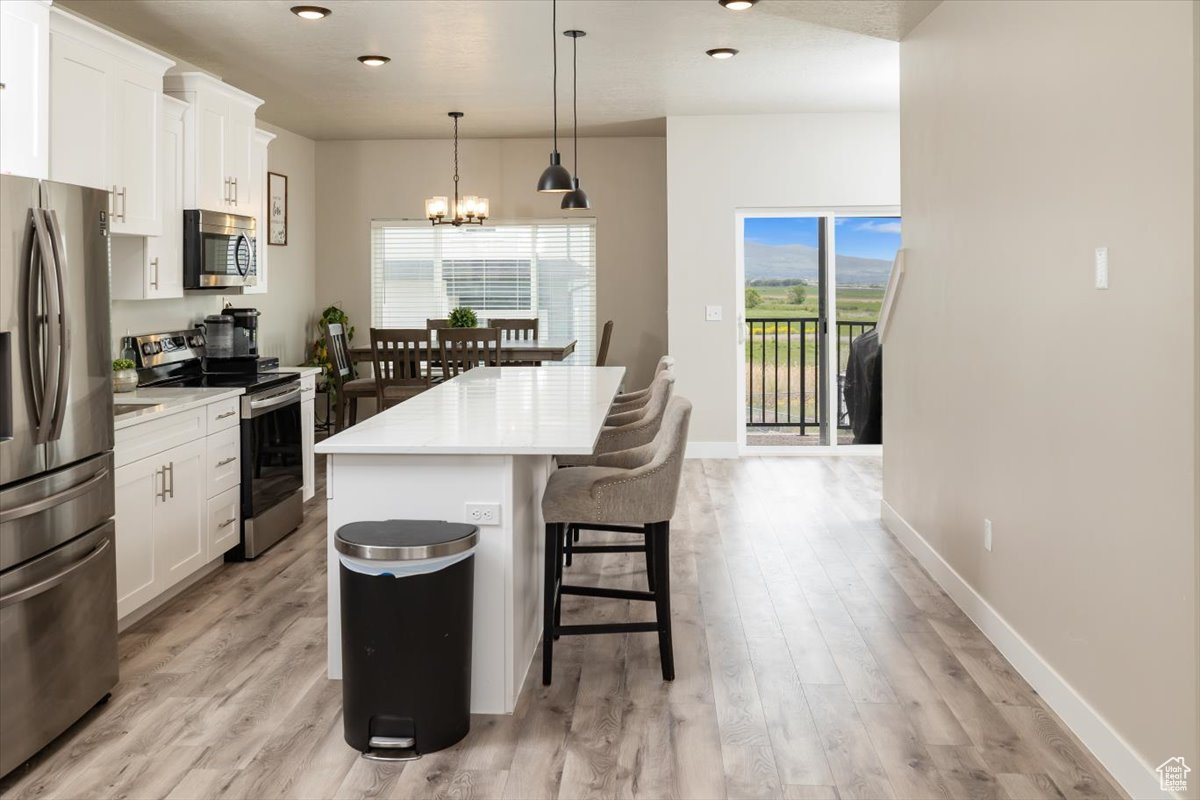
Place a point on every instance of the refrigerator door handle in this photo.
(64, 364)
(48, 399)
(58, 498)
(54, 580)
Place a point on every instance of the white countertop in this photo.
(164, 400)
(492, 411)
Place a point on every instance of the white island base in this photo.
(486, 437)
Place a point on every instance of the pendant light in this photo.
(470, 210)
(555, 177)
(576, 199)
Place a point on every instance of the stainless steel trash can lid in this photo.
(404, 539)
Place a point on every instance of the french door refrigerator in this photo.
(58, 608)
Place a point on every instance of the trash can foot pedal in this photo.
(391, 748)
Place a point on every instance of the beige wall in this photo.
(1032, 133)
(625, 178)
(718, 165)
(287, 307)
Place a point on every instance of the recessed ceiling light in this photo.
(374, 61)
(722, 53)
(737, 5)
(311, 12)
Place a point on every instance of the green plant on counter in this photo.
(321, 356)
(123, 363)
(462, 317)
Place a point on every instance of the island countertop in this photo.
(492, 411)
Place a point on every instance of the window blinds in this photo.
(543, 270)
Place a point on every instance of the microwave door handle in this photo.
(53, 354)
(64, 364)
(237, 255)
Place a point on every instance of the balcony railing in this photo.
(783, 362)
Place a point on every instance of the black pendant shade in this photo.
(576, 199)
(555, 177)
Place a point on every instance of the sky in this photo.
(865, 237)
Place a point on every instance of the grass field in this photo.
(855, 303)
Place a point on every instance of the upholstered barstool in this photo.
(631, 400)
(639, 485)
(634, 430)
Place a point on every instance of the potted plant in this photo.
(462, 317)
(124, 377)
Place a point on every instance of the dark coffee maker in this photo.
(245, 330)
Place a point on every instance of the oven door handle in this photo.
(258, 407)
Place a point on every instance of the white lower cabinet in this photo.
(178, 497)
(224, 514)
(160, 523)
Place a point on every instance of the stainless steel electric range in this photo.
(272, 441)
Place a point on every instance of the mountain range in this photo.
(799, 261)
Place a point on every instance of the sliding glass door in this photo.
(813, 284)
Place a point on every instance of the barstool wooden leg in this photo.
(662, 597)
(558, 574)
(572, 537)
(554, 535)
(648, 544)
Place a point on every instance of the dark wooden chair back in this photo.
(464, 348)
(339, 352)
(519, 329)
(436, 324)
(605, 340)
(401, 357)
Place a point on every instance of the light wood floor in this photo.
(815, 659)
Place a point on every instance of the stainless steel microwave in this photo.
(218, 250)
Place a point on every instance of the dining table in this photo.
(511, 351)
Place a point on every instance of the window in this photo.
(543, 270)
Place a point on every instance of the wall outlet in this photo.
(712, 313)
(987, 535)
(483, 513)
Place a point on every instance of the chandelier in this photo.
(468, 209)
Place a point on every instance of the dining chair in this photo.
(461, 349)
(605, 340)
(515, 329)
(436, 324)
(519, 330)
(346, 386)
(401, 359)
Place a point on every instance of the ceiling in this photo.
(642, 60)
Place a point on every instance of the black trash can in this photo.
(407, 590)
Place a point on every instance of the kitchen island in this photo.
(475, 449)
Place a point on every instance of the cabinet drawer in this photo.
(224, 414)
(224, 522)
(159, 434)
(224, 461)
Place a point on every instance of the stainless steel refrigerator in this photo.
(58, 607)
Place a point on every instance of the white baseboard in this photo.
(712, 450)
(1135, 775)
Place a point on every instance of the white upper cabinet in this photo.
(105, 108)
(25, 96)
(150, 267)
(218, 143)
(258, 203)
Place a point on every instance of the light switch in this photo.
(1101, 267)
(712, 313)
